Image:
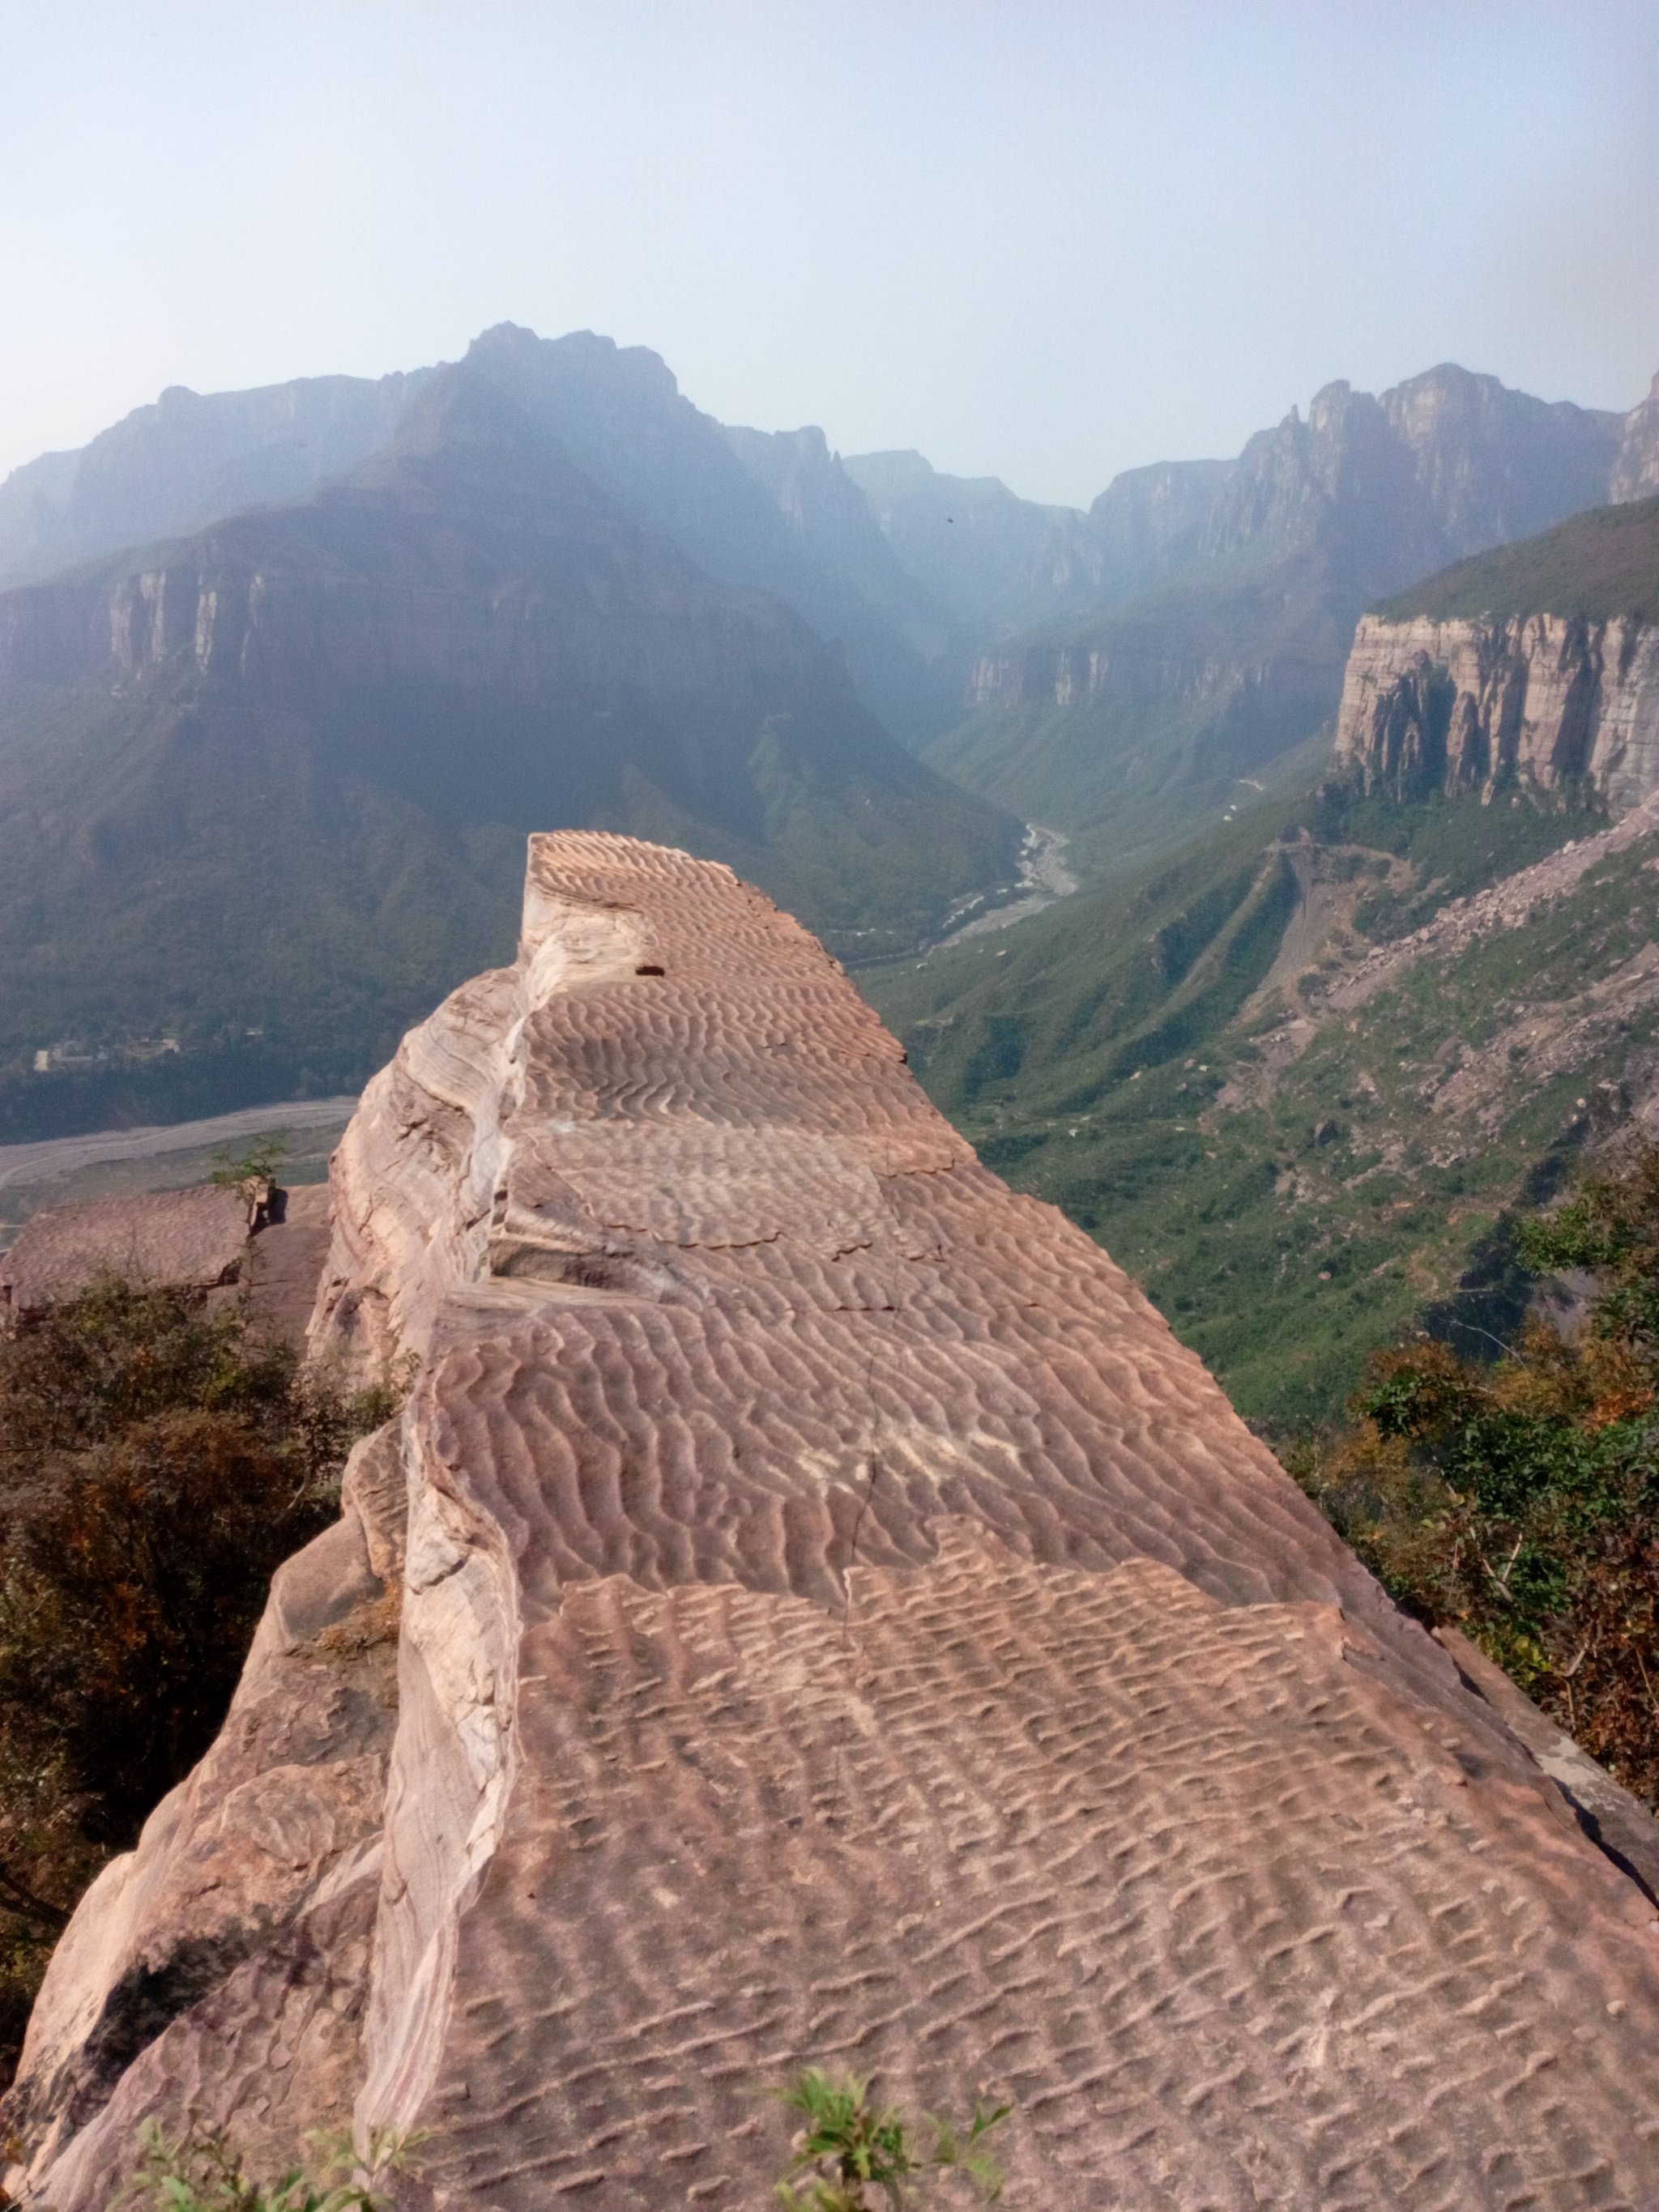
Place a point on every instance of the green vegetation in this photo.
(157, 1462)
(1215, 685)
(262, 871)
(285, 900)
(212, 877)
(200, 2172)
(848, 2146)
(1599, 564)
(1304, 1185)
(256, 1162)
(1520, 1499)
(1286, 1196)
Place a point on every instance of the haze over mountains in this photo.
(1225, 597)
(286, 675)
(1299, 1074)
(275, 777)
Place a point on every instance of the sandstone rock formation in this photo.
(193, 1239)
(1465, 704)
(840, 1624)
(197, 1239)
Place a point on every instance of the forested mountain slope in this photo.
(264, 791)
(1296, 1075)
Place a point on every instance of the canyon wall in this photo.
(835, 1622)
(1471, 704)
(220, 613)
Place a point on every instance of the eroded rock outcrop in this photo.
(1467, 704)
(194, 1239)
(840, 1624)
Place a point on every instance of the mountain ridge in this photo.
(297, 755)
(1299, 1072)
(1118, 726)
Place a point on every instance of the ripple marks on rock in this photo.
(842, 1624)
(1213, 1910)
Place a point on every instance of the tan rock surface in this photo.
(1463, 704)
(842, 1624)
(193, 1239)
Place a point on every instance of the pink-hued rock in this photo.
(179, 1239)
(841, 1625)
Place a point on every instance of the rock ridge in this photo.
(840, 1624)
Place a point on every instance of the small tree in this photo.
(1519, 1500)
(258, 1163)
(849, 2148)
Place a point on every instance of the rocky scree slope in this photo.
(276, 778)
(839, 1623)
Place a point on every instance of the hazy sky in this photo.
(1042, 240)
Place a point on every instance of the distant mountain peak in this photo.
(513, 349)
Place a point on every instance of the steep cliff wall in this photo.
(1211, 641)
(1636, 472)
(839, 1623)
(1469, 704)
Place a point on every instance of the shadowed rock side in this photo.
(842, 1624)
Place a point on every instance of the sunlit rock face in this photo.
(1470, 704)
(840, 1624)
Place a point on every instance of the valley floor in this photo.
(1297, 1081)
(1044, 879)
(126, 1163)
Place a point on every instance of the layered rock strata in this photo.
(1468, 704)
(841, 1625)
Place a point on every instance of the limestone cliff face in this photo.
(286, 767)
(1073, 675)
(839, 1623)
(1636, 472)
(436, 571)
(1466, 705)
(225, 614)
